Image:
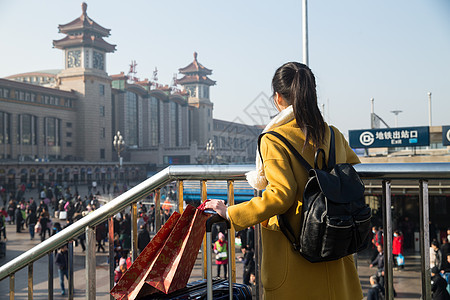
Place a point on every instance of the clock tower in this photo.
(85, 72)
(196, 82)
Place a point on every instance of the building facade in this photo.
(58, 125)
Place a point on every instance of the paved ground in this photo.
(407, 282)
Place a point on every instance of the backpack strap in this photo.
(284, 224)
(332, 153)
(289, 145)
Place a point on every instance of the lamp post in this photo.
(210, 149)
(119, 145)
(429, 110)
(396, 112)
(305, 32)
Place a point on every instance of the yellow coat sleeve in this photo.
(279, 195)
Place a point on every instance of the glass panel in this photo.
(131, 120)
(154, 121)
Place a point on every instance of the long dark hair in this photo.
(296, 83)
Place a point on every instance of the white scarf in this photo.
(257, 179)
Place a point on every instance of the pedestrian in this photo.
(438, 285)
(30, 222)
(143, 238)
(435, 255)
(11, 211)
(445, 247)
(397, 247)
(152, 217)
(377, 239)
(375, 292)
(62, 261)
(44, 221)
(119, 271)
(41, 208)
(249, 264)
(3, 217)
(18, 219)
(285, 273)
(445, 270)
(32, 204)
(100, 235)
(221, 251)
(379, 262)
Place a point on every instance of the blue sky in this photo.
(393, 51)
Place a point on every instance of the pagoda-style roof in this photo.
(84, 39)
(84, 23)
(195, 67)
(83, 31)
(195, 79)
(195, 72)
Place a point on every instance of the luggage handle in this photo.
(216, 218)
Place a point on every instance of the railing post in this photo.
(90, 264)
(231, 241)
(387, 246)
(180, 189)
(11, 286)
(134, 231)
(258, 256)
(70, 277)
(232, 258)
(111, 253)
(30, 281)
(157, 210)
(203, 197)
(424, 239)
(50, 275)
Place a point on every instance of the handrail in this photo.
(425, 171)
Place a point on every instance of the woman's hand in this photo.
(218, 206)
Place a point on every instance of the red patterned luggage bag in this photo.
(167, 261)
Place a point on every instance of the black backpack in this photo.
(335, 220)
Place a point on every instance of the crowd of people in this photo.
(439, 263)
(57, 208)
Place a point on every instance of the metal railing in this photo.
(420, 172)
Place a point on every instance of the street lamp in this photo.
(429, 109)
(396, 112)
(119, 145)
(210, 149)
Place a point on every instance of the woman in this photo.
(397, 247)
(221, 251)
(285, 273)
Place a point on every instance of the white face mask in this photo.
(395, 234)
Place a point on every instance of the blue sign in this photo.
(446, 135)
(390, 137)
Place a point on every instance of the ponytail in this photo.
(296, 84)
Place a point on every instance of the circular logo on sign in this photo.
(448, 135)
(366, 138)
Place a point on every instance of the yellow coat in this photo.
(285, 273)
